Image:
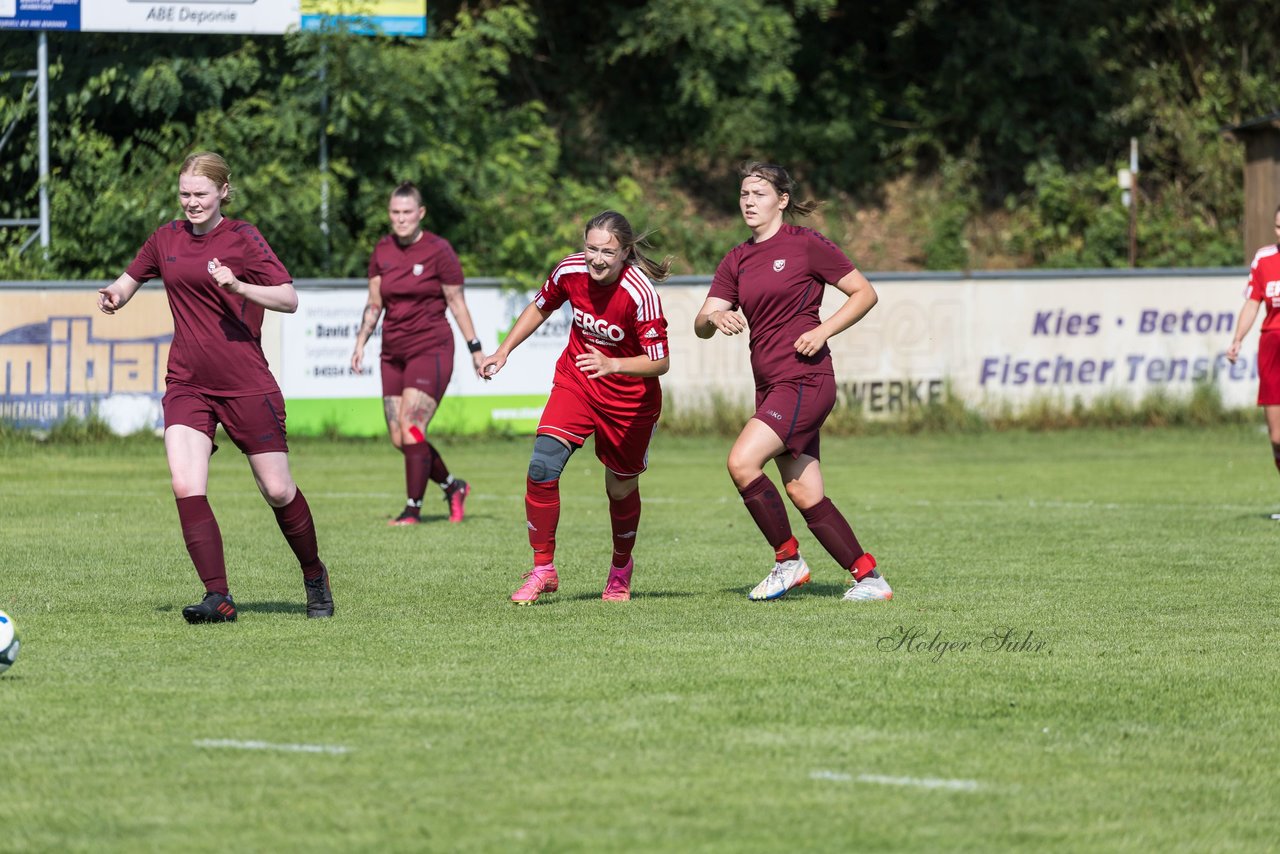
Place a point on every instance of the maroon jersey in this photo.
(620, 320)
(1264, 285)
(217, 335)
(413, 280)
(779, 284)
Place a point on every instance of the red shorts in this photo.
(428, 372)
(1269, 369)
(622, 446)
(795, 410)
(255, 423)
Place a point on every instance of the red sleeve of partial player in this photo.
(448, 267)
(553, 293)
(724, 285)
(827, 260)
(261, 266)
(146, 265)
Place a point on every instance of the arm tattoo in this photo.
(369, 320)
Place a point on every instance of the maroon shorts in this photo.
(1269, 369)
(428, 372)
(255, 422)
(622, 446)
(795, 410)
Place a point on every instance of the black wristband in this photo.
(474, 345)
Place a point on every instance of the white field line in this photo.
(914, 782)
(1031, 503)
(263, 745)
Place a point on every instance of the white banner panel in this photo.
(190, 16)
(1003, 341)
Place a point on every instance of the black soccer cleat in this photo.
(216, 608)
(319, 595)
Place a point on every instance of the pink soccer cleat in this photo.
(542, 579)
(456, 497)
(618, 587)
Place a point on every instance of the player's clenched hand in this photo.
(596, 364)
(810, 343)
(491, 365)
(728, 322)
(108, 301)
(223, 276)
(477, 362)
(1233, 352)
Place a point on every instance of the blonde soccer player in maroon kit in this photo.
(606, 383)
(777, 280)
(220, 276)
(1264, 290)
(414, 276)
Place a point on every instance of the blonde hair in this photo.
(781, 182)
(206, 164)
(631, 243)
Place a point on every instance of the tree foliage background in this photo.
(1006, 121)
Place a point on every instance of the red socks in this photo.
(624, 514)
(542, 513)
(439, 471)
(299, 530)
(764, 503)
(418, 458)
(831, 529)
(204, 541)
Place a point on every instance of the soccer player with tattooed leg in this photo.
(220, 276)
(777, 279)
(606, 383)
(414, 276)
(1264, 289)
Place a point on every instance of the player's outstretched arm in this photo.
(526, 324)
(368, 321)
(1248, 314)
(862, 298)
(113, 297)
(457, 303)
(718, 314)
(596, 364)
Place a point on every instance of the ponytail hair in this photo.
(632, 244)
(782, 184)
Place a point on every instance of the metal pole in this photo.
(324, 152)
(1133, 207)
(42, 84)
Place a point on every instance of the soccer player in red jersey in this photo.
(219, 276)
(414, 276)
(606, 382)
(1264, 289)
(777, 279)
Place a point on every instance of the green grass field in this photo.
(431, 714)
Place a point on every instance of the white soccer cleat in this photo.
(869, 590)
(785, 575)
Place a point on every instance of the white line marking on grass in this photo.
(263, 745)
(915, 782)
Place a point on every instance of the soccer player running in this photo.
(777, 279)
(606, 382)
(1264, 287)
(220, 276)
(414, 276)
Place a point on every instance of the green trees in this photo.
(522, 119)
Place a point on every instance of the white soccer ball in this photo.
(8, 642)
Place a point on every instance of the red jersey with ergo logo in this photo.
(620, 320)
(1264, 285)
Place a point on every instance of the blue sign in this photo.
(40, 15)
(369, 25)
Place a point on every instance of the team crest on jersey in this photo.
(417, 269)
(779, 264)
(212, 267)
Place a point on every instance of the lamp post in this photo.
(1128, 181)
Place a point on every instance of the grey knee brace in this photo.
(549, 459)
